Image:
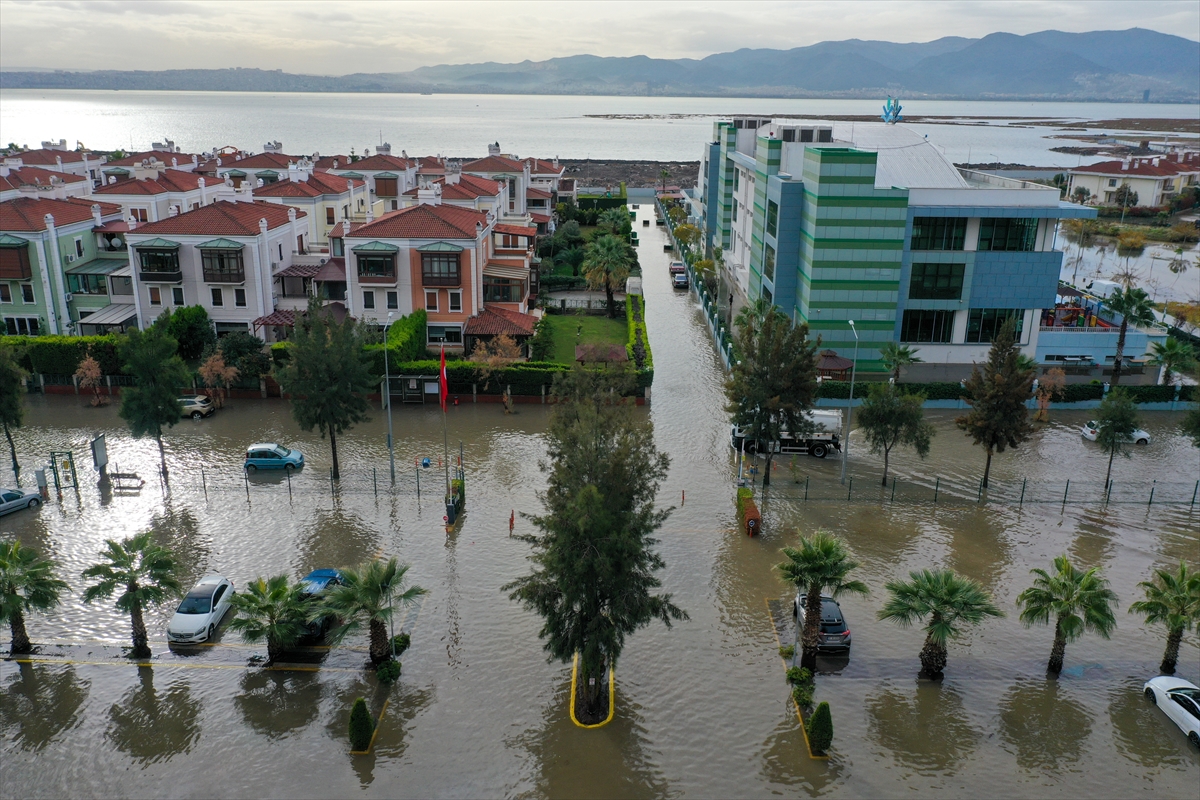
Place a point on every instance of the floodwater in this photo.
(702, 708)
(1167, 276)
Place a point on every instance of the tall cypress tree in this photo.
(593, 581)
(997, 392)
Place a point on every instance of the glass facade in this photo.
(936, 281)
(939, 233)
(984, 323)
(927, 326)
(1008, 235)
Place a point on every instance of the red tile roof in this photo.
(1142, 167)
(539, 166)
(496, 320)
(42, 156)
(274, 161)
(469, 187)
(541, 219)
(332, 270)
(169, 180)
(494, 164)
(424, 222)
(222, 218)
(379, 161)
(515, 230)
(27, 213)
(317, 185)
(326, 162)
(36, 175)
(137, 158)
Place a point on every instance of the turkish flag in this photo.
(443, 381)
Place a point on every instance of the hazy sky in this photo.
(335, 38)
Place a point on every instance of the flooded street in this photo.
(702, 709)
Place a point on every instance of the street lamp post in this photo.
(387, 392)
(850, 405)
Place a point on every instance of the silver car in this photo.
(15, 499)
(196, 406)
(200, 613)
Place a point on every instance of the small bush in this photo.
(401, 642)
(800, 676)
(820, 729)
(362, 725)
(787, 651)
(803, 695)
(388, 671)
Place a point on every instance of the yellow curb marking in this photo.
(168, 665)
(792, 700)
(374, 733)
(612, 707)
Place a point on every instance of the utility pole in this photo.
(387, 393)
(850, 405)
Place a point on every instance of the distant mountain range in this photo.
(1050, 65)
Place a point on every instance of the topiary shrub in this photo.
(803, 695)
(388, 671)
(820, 729)
(400, 643)
(362, 725)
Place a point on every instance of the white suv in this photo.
(196, 406)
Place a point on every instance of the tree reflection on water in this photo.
(277, 703)
(40, 703)
(926, 730)
(150, 726)
(1139, 728)
(1043, 726)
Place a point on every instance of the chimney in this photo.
(203, 193)
(195, 161)
(335, 163)
(1154, 161)
(4, 170)
(453, 172)
(494, 149)
(1125, 165)
(174, 163)
(112, 179)
(272, 147)
(173, 211)
(291, 214)
(58, 160)
(96, 215)
(132, 224)
(429, 194)
(403, 154)
(350, 188)
(384, 149)
(556, 162)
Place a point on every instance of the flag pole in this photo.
(444, 391)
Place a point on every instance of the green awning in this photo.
(236, 173)
(356, 175)
(440, 247)
(156, 244)
(220, 244)
(8, 240)
(385, 175)
(115, 171)
(267, 173)
(105, 266)
(376, 247)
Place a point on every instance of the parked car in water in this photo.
(316, 584)
(201, 611)
(679, 280)
(14, 500)
(835, 633)
(1180, 701)
(1091, 430)
(270, 455)
(196, 406)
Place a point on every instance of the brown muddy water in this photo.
(702, 708)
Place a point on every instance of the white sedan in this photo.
(16, 499)
(200, 613)
(1179, 700)
(1092, 429)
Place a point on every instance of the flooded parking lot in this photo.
(702, 708)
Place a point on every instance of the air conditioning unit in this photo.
(70, 259)
(69, 296)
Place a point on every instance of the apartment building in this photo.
(222, 256)
(510, 171)
(159, 193)
(59, 272)
(55, 157)
(457, 188)
(326, 198)
(37, 182)
(834, 221)
(387, 177)
(1157, 179)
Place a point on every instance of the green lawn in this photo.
(596, 330)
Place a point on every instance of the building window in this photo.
(165, 260)
(431, 301)
(806, 134)
(444, 334)
(984, 323)
(5, 293)
(336, 247)
(440, 269)
(1008, 235)
(223, 266)
(772, 217)
(177, 295)
(767, 296)
(27, 293)
(824, 134)
(736, 178)
(87, 284)
(927, 326)
(502, 290)
(217, 298)
(329, 216)
(936, 281)
(155, 296)
(769, 263)
(22, 326)
(1112, 181)
(139, 214)
(385, 187)
(280, 246)
(939, 233)
(239, 298)
(393, 300)
(14, 262)
(735, 208)
(368, 299)
(377, 266)
(78, 247)
(456, 302)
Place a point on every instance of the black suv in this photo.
(835, 634)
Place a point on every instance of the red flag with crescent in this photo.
(443, 381)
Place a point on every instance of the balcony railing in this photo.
(155, 276)
(224, 276)
(441, 280)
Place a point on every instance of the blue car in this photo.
(269, 455)
(316, 583)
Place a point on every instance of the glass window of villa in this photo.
(87, 284)
(772, 217)
(218, 298)
(393, 300)
(155, 296)
(936, 281)
(440, 269)
(368, 299)
(927, 326)
(27, 293)
(223, 265)
(165, 260)
(5, 293)
(456, 301)
(377, 266)
(239, 298)
(769, 263)
(177, 295)
(501, 290)
(939, 233)
(444, 334)
(984, 323)
(1008, 235)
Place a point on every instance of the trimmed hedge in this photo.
(60, 355)
(1071, 393)
(362, 726)
(820, 729)
(635, 306)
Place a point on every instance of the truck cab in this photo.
(824, 438)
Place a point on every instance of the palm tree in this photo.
(27, 584)
(666, 173)
(1078, 601)
(1173, 355)
(821, 563)
(948, 599)
(270, 610)
(370, 592)
(1172, 598)
(615, 220)
(606, 266)
(143, 571)
(894, 356)
(1134, 306)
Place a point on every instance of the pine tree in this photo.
(997, 392)
(1117, 420)
(362, 726)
